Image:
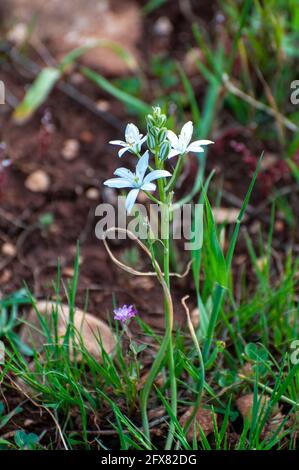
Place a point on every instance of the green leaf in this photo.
(120, 51)
(24, 440)
(213, 252)
(256, 352)
(138, 105)
(37, 93)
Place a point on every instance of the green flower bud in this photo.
(164, 150)
(162, 135)
(151, 142)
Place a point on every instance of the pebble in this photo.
(163, 26)
(8, 249)
(70, 149)
(38, 182)
(93, 194)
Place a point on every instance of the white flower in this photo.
(181, 144)
(137, 180)
(133, 143)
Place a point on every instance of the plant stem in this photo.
(177, 171)
(166, 348)
(169, 321)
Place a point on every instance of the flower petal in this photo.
(122, 151)
(173, 153)
(142, 166)
(186, 134)
(118, 183)
(173, 139)
(156, 174)
(131, 133)
(131, 198)
(124, 173)
(148, 187)
(197, 145)
(118, 142)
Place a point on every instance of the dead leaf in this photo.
(245, 405)
(247, 370)
(204, 421)
(90, 328)
(273, 425)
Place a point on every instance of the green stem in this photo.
(177, 171)
(152, 198)
(166, 348)
(169, 324)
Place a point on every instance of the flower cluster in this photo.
(124, 313)
(161, 142)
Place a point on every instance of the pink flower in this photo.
(124, 313)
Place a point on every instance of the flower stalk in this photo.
(163, 144)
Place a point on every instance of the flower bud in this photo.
(162, 135)
(164, 150)
(151, 142)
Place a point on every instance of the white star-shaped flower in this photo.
(181, 144)
(137, 181)
(133, 142)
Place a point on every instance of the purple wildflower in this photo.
(124, 313)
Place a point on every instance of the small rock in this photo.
(38, 182)
(5, 276)
(90, 172)
(279, 226)
(70, 149)
(77, 78)
(93, 194)
(8, 249)
(103, 105)
(78, 189)
(18, 34)
(190, 59)
(87, 137)
(163, 26)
